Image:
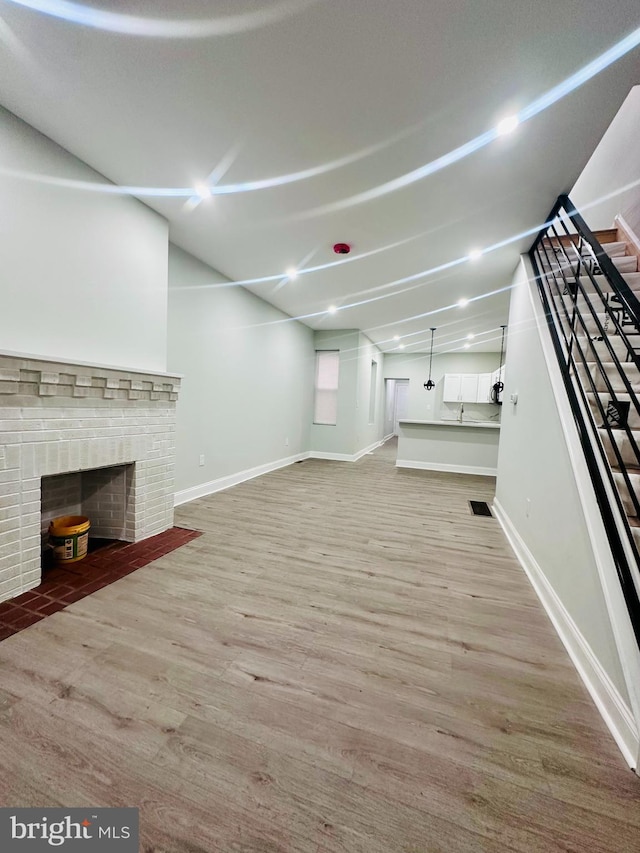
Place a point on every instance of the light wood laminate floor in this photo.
(346, 660)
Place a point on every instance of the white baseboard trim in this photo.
(446, 468)
(331, 457)
(613, 709)
(204, 489)
(213, 486)
(344, 457)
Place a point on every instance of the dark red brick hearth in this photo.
(63, 585)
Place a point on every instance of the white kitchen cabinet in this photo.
(451, 388)
(460, 388)
(468, 387)
(484, 388)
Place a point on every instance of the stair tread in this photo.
(629, 330)
(629, 366)
(621, 430)
(629, 277)
(626, 263)
(615, 247)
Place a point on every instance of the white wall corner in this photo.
(617, 716)
(345, 457)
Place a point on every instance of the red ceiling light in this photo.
(342, 248)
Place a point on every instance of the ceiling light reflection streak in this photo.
(440, 268)
(315, 171)
(557, 93)
(91, 186)
(522, 325)
(512, 329)
(370, 253)
(265, 279)
(425, 273)
(212, 178)
(352, 353)
(341, 308)
(427, 331)
(293, 273)
(436, 310)
(546, 100)
(232, 189)
(398, 281)
(450, 344)
(164, 28)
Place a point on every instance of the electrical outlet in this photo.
(286, 442)
(527, 509)
(201, 459)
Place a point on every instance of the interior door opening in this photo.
(396, 405)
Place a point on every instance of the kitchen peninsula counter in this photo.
(463, 447)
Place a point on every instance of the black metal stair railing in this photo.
(594, 320)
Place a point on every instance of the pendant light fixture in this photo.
(498, 386)
(430, 384)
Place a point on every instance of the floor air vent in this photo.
(480, 508)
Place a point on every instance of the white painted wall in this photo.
(84, 274)
(352, 433)
(537, 488)
(425, 405)
(614, 164)
(367, 433)
(248, 376)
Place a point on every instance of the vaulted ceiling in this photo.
(265, 131)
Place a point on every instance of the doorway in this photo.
(396, 404)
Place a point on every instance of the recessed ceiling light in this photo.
(462, 303)
(475, 254)
(470, 336)
(507, 125)
(203, 191)
(292, 273)
(400, 346)
(396, 337)
(466, 346)
(332, 309)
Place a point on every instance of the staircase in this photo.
(589, 283)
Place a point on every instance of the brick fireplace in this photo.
(59, 421)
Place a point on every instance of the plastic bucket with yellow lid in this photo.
(69, 536)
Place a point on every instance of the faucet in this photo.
(460, 412)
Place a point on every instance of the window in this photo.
(372, 392)
(326, 402)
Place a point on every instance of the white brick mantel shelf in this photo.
(58, 417)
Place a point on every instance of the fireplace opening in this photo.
(103, 495)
